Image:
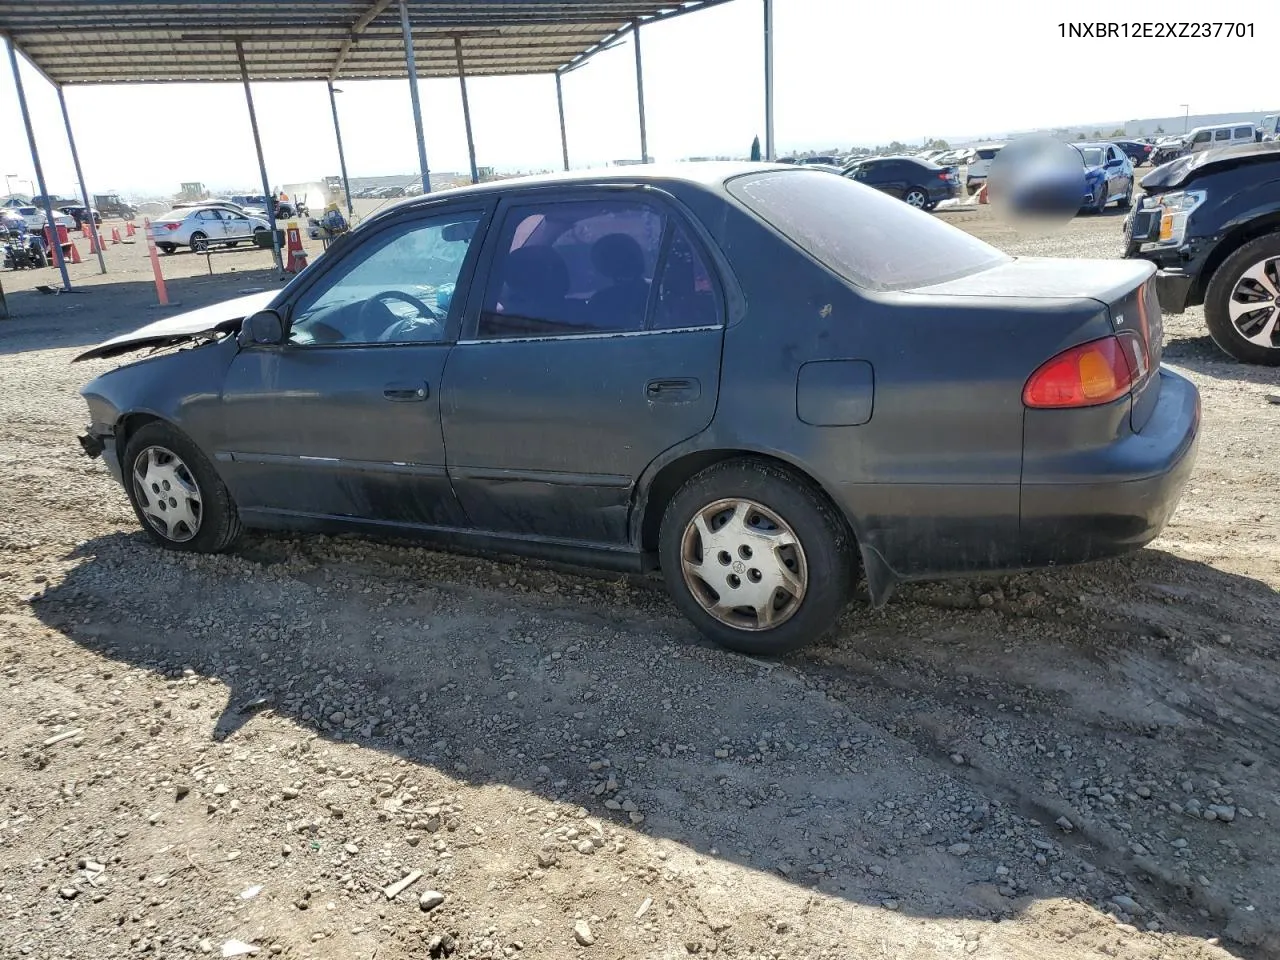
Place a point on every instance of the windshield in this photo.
(867, 237)
(1092, 156)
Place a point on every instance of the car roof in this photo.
(710, 174)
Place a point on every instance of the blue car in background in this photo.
(1108, 176)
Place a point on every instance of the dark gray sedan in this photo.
(763, 380)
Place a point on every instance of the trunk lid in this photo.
(1125, 288)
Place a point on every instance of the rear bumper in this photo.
(1121, 502)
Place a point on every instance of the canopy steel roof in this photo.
(153, 41)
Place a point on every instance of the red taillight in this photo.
(1089, 374)
(172, 226)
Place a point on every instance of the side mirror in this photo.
(266, 327)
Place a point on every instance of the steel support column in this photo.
(84, 191)
(342, 157)
(262, 163)
(413, 95)
(769, 153)
(466, 110)
(564, 136)
(644, 137)
(56, 250)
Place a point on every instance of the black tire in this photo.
(1099, 204)
(219, 524)
(919, 192)
(166, 248)
(1218, 295)
(828, 551)
(199, 242)
(1126, 202)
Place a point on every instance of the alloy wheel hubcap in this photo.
(744, 564)
(915, 199)
(1254, 307)
(167, 494)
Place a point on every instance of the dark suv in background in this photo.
(1210, 222)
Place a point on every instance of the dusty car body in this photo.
(802, 378)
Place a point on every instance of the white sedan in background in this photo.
(203, 227)
(35, 218)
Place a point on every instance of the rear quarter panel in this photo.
(930, 481)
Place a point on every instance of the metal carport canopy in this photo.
(79, 42)
(135, 41)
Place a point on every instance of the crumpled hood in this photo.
(1176, 173)
(221, 317)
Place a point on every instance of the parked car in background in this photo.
(423, 378)
(35, 218)
(1270, 127)
(203, 227)
(78, 213)
(1210, 222)
(1166, 149)
(1138, 151)
(111, 205)
(826, 161)
(1221, 135)
(916, 182)
(980, 166)
(1108, 176)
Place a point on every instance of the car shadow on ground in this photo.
(1201, 355)
(917, 758)
(91, 313)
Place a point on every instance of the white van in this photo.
(1223, 135)
(980, 165)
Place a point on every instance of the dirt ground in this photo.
(206, 755)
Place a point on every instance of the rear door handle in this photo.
(673, 390)
(406, 392)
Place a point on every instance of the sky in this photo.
(846, 72)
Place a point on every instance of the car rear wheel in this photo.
(166, 247)
(916, 197)
(199, 242)
(755, 557)
(178, 497)
(1242, 302)
(1126, 202)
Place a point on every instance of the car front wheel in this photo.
(915, 197)
(178, 497)
(1242, 302)
(757, 558)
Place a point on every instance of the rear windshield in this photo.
(988, 154)
(867, 237)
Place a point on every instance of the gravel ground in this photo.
(337, 748)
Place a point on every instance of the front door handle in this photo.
(672, 390)
(406, 392)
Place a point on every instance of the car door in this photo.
(237, 225)
(593, 347)
(343, 419)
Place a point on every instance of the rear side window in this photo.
(595, 266)
(1222, 135)
(863, 235)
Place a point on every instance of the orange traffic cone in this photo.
(75, 254)
(982, 194)
(84, 230)
(128, 229)
(296, 257)
(115, 235)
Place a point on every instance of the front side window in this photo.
(572, 267)
(865, 236)
(1244, 133)
(1203, 136)
(398, 287)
